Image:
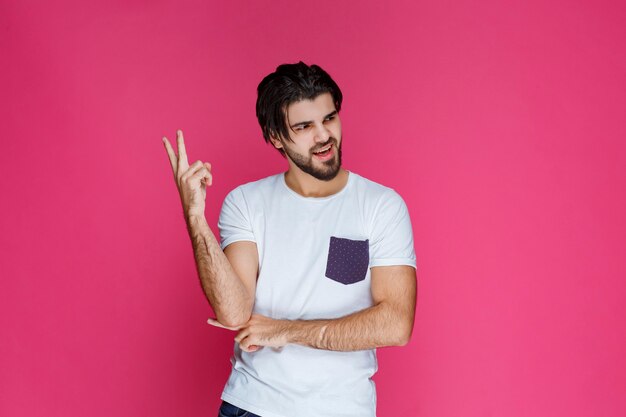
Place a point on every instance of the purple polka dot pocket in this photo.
(347, 260)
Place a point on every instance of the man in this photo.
(316, 267)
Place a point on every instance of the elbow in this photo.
(234, 316)
(234, 321)
(398, 326)
(233, 324)
(402, 338)
(403, 333)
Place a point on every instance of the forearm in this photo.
(223, 288)
(377, 326)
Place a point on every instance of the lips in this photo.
(324, 149)
(326, 153)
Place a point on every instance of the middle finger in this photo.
(183, 163)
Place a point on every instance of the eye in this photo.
(330, 118)
(301, 127)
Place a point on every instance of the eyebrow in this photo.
(293, 126)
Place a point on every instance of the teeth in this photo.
(324, 149)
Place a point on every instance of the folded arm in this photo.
(389, 322)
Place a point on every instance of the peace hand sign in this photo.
(191, 181)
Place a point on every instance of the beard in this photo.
(327, 171)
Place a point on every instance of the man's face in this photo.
(314, 126)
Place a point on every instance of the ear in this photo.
(276, 142)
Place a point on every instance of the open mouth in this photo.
(325, 151)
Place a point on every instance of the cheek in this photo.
(301, 149)
(337, 130)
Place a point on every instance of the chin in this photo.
(329, 175)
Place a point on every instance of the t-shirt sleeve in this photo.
(234, 222)
(391, 240)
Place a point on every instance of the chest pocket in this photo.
(347, 260)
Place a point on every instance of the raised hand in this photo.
(191, 181)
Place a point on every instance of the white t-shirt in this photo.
(314, 260)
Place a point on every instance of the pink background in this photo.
(500, 123)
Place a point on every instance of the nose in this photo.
(322, 134)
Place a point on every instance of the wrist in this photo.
(196, 224)
(289, 331)
(304, 332)
(298, 332)
(194, 218)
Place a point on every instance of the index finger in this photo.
(170, 154)
(182, 152)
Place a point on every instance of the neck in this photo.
(309, 186)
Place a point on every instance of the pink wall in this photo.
(501, 124)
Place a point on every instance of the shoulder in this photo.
(241, 200)
(255, 188)
(374, 193)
